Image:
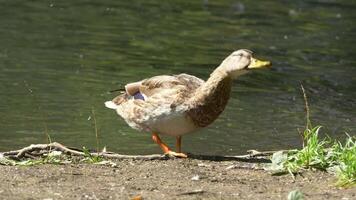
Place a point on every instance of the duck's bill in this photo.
(255, 64)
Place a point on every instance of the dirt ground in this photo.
(162, 179)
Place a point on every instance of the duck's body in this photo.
(163, 108)
(179, 104)
(173, 105)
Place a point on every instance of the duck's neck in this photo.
(211, 98)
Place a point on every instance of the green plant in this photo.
(54, 157)
(295, 195)
(312, 155)
(322, 154)
(88, 157)
(345, 157)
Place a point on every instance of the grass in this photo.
(332, 156)
(90, 158)
(311, 155)
(53, 157)
(96, 129)
(346, 160)
(57, 157)
(295, 195)
(322, 154)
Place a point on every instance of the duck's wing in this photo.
(147, 102)
(169, 89)
(176, 84)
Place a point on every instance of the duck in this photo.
(176, 105)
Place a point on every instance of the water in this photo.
(58, 59)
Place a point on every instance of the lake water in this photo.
(58, 59)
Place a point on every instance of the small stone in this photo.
(230, 167)
(203, 165)
(195, 178)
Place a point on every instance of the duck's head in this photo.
(241, 62)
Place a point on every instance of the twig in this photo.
(254, 153)
(192, 192)
(96, 129)
(10, 153)
(41, 149)
(307, 110)
(59, 147)
(301, 134)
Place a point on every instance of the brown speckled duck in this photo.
(180, 104)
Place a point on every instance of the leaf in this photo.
(295, 195)
(106, 162)
(334, 169)
(5, 161)
(278, 159)
(54, 154)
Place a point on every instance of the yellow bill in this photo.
(255, 64)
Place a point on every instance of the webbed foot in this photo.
(175, 154)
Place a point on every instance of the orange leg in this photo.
(165, 148)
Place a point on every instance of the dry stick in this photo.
(36, 147)
(33, 147)
(255, 153)
(308, 125)
(301, 134)
(253, 156)
(192, 192)
(96, 129)
(59, 147)
(307, 110)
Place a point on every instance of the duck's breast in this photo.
(174, 124)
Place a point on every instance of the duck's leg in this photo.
(165, 148)
(179, 144)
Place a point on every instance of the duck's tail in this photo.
(111, 105)
(115, 103)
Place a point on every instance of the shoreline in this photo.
(163, 179)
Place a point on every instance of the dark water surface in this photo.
(58, 59)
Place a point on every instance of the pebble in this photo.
(195, 178)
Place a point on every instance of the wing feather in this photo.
(163, 94)
(170, 89)
(181, 82)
